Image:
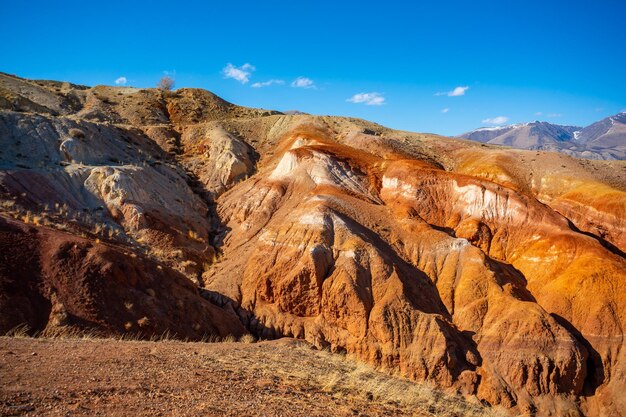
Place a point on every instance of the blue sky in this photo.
(560, 61)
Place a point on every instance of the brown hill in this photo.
(495, 272)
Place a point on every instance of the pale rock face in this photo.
(309, 164)
(147, 187)
(287, 164)
(145, 200)
(225, 158)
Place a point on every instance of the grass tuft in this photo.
(247, 338)
(21, 330)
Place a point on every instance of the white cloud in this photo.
(500, 120)
(555, 115)
(370, 99)
(538, 113)
(458, 91)
(267, 83)
(445, 110)
(121, 81)
(303, 82)
(241, 74)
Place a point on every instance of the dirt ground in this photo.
(76, 377)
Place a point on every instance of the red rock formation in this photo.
(499, 273)
(50, 279)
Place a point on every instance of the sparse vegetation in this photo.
(73, 333)
(62, 217)
(247, 338)
(21, 330)
(188, 264)
(194, 235)
(143, 322)
(166, 83)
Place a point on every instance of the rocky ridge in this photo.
(605, 139)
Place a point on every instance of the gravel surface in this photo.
(108, 377)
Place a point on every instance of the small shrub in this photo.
(188, 264)
(98, 228)
(21, 330)
(166, 83)
(194, 235)
(7, 204)
(247, 338)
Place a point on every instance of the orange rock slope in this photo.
(450, 278)
(499, 273)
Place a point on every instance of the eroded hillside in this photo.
(493, 272)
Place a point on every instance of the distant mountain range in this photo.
(605, 139)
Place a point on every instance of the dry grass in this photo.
(72, 333)
(94, 225)
(21, 330)
(342, 376)
(229, 339)
(62, 217)
(187, 264)
(247, 338)
(194, 236)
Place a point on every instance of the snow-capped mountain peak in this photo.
(605, 139)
